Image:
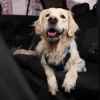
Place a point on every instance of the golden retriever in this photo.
(57, 28)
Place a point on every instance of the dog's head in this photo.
(53, 23)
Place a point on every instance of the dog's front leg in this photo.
(51, 78)
(72, 66)
(70, 78)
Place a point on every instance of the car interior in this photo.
(16, 31)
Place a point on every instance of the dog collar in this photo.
(60, 66)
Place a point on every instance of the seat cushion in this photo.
(87, 80)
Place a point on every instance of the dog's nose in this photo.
(52, 20)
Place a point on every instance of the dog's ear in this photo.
(38, 23)
(37, 26)
(72, 26)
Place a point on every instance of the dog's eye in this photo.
(62, 16)
(47, 15)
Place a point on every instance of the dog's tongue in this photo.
(51, 33)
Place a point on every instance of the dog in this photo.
(57, 27)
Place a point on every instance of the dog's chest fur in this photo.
(56, 55)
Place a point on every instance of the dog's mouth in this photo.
(53, 34)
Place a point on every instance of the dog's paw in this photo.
(69, 83)
(53, 87)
